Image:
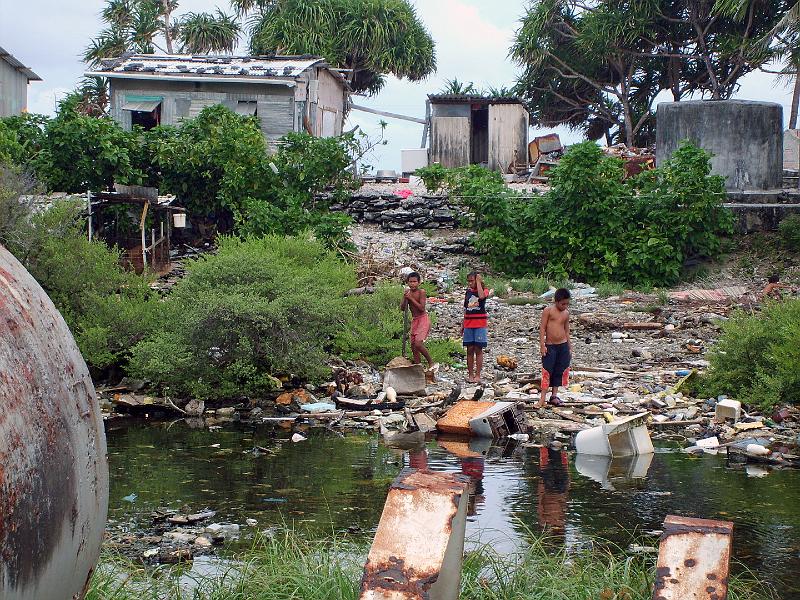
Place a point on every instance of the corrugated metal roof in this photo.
(472, 98)
(9, 58)
(202, 67)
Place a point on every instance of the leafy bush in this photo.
(79, 152)
(107, 308)
(374, 330)
(257, 308)
(789, 230)
(593, 226)
(21, 137)
(756, 358)
(433, 176)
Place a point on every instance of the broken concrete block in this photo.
(406, 381)
(419, 545)
(623, 437)
(728, 409)
(693, 559)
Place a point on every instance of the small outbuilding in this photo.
(286, 93)
(479, 130)
(14, 80)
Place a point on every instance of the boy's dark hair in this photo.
(473, 274)
(774, 278)
(413, 275)
(562, 294)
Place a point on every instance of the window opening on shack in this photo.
(247, 108)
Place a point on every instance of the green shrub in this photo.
(259, 307)
(757, 356)
(433, 176)
(107, 308)
(532, 285)
(593, 226)
(374, 330)
(21, 137)
(789, 230)
(79, 152)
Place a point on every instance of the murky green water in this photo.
(329, 483)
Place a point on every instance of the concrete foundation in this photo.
(746, 138)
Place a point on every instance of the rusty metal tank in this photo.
(53, 469)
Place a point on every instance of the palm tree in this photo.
(454, 87)
(203, 33)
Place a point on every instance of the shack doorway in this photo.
(479, 134)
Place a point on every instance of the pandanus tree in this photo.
(367, 39)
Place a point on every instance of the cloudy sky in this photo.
(472, 37)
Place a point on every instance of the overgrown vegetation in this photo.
(595, 226)
(789, 230)
(288, 566)
(266, 307)
(216, 164)
(756, 358)
(107, 308)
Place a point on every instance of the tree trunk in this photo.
(795, 100)
(167, 32)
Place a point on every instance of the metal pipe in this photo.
(53, 470)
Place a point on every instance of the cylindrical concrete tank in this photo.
(745, 137)
(53, 469)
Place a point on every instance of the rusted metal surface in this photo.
(53, 470)
(418, 547)
(693, 559)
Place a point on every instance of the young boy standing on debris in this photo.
(555, 346)
(475, 325)
(415, 299)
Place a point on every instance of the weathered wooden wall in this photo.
(330, 105)
(450, 141)
(508, 136)
(13, 90)
(185, 100)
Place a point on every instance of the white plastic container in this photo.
(179, 220)
(728, 409)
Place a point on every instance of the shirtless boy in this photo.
(555, 346)
(414, 298)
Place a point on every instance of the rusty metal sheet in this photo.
(722, 294)
(53, 470)
(419, 545)
(693, 559)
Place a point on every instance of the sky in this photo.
(472, 41)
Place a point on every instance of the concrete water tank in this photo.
(53, 469)
(746, 138)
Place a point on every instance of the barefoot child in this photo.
(475, 326)
(414, 298)
(555, 346)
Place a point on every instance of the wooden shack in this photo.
(285, 93)
(479, 130)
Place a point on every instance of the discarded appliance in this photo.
(542, 145)
(483, 419)
(419, 545)
(606, 470)
(406, 381)
(728, 409)
(411, 160)
(54, 474)
(693, 559)
(623, 437)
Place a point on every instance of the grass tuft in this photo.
(290, 567)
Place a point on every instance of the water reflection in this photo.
(337, 484)
(605, 469)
